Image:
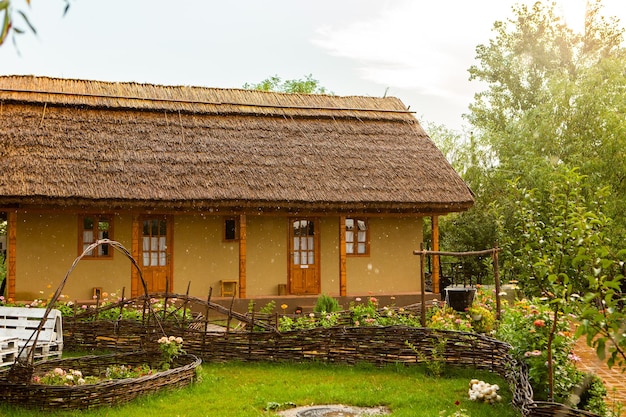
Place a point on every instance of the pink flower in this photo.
(539, 323)
(573, 357)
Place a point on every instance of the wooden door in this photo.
(304, 256)
(155, 247)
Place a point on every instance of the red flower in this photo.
(539, 323)
(457, 402)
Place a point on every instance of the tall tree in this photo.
(307, 85)
(554, 102)
(554, 97)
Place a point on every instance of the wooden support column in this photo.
(11, 253)
(242, 255)
(343, 287)
(435, 265)
(134, 250)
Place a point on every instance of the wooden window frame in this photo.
(81, 229)
(225, 236)
(354, 240)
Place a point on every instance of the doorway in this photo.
(304, 238)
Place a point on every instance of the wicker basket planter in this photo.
(110, 392)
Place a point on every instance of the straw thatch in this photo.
(86, 142)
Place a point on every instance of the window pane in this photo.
(349, 224)
(303, 243)
(88, 223)
(311, 258)
(296, 258)
(349, 247)
(349, 237)
(146, 259)
(154, 258)
(162, 243)
(361, 248)
(230, 229)
(103, 225)
(146, 243)
(362, 236)
(162, 259)
(88, 236)
(154, 243)
(146, 228)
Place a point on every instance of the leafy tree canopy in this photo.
(11, 25)
(308, 85)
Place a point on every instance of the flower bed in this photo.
(108, 392)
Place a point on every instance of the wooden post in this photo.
(134, 278)
(343, 288)
(496, 278)
(242, 255)
(435, 265)
(423, 283)
(11, 253)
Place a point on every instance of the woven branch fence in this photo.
(343, 344)
(110, 392)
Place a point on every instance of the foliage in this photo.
(443, 317)
(482, 312)
(436, 362)
(8, 19)
(308, 85)
(527, 326)
(364, 314)
(309, 321)
(59, 376)
(71, 377)
(170, 348)
(326, 304)
(266, 309)
(553, 97)
(125, 371)
(565, 256)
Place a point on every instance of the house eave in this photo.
(232, 206)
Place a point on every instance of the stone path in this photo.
(614, 378)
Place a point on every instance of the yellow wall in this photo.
(47, 244)
(201, 256)
(391, 266)
(266, 255)
(46, 247)
(329, 256)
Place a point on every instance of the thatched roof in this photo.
(71, 142)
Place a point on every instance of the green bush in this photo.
(326, 304)
(526, 326)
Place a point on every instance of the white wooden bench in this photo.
(20, 323)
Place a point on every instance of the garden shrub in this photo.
(326, 304)
(526, 326)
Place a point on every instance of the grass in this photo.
(238, 389)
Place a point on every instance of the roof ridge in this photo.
(215, 103)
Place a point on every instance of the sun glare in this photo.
(573, 11)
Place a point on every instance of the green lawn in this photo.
(239, 389)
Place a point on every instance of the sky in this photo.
(419, 51)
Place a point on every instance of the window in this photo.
(357, 237)
(231, 229)
(93, 228)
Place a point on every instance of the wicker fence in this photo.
(340, 344)
(348, 345)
